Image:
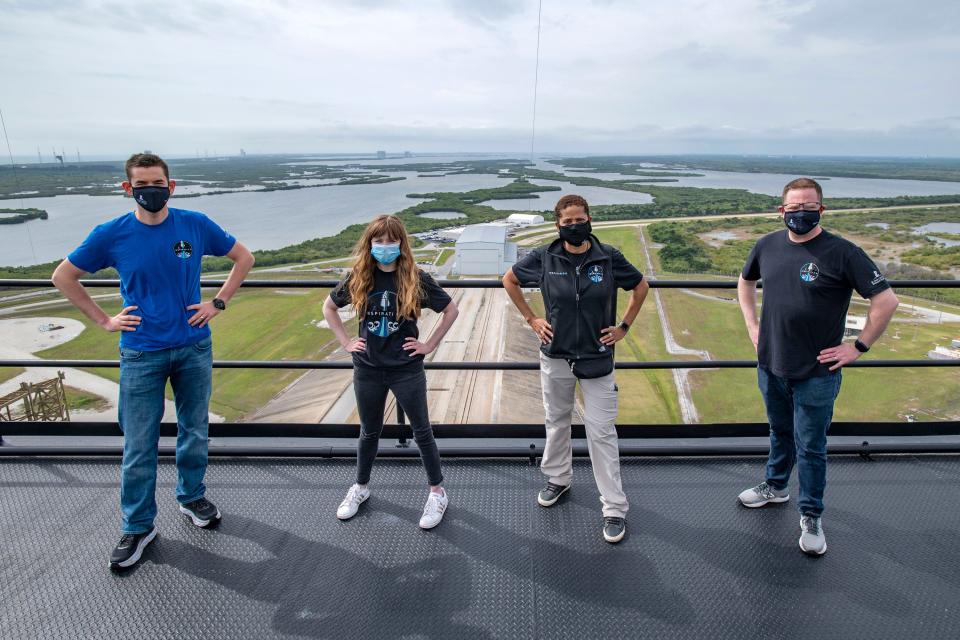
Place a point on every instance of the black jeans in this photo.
(409, 386)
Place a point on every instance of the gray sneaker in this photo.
(762, 494)
(812, 540)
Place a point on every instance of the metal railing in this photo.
(915, 431)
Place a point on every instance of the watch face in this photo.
(219, 304)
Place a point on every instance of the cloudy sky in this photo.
(871, 77)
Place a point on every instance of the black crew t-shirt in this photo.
(576, 258)
(806, 294)
(381, 327)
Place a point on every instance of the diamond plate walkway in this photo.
(694, 564)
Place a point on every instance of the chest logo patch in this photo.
(595, 273)
(809, 272)
(182, 249)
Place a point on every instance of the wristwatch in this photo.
(623, 325)
(219, 304)
(862, 348)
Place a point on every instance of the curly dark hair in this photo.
(571, 200)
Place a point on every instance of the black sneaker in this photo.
(551, 493)
(201, 511)
(128, 551)
(614, 529)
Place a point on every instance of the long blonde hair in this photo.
(408, 274)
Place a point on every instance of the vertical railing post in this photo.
(401, 420)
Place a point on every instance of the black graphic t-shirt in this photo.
(806, 294)
(383, 331)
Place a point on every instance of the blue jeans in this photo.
(143, 378)
(799, 412)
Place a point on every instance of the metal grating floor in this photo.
(694, 564)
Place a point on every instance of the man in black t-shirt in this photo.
(808, 276)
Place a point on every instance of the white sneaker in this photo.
(433, 510)
(812, 540)
(356, 496)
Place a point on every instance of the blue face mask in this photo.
(385, 253)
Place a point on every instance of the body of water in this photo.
(273, 219)
(939, 227)
(593, 195)
(443, 215)
(261, 220)
(772, 183)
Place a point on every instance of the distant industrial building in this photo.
(524, 219)
(854, 325)
(381, 155)
(482, 249)
(946, 353)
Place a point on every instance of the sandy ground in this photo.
(20, 338)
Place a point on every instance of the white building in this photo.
(482, 249)
(524, 219)
(854, 325)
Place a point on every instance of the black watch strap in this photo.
(219, 304)
(623, 325)
(862, 348)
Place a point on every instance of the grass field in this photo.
(731, 395)
(876, 394)
(445, 255)
(6, 373)
(649, 396)
(259, 325)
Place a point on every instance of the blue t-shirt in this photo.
(159, 268)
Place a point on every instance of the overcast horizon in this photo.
(767, 77)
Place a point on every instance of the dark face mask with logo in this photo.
(153, 199)
(801, 222)
(576, 233)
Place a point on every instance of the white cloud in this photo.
(457, 75)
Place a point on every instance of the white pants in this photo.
(600, 414)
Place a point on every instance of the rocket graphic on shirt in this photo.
(381, 317)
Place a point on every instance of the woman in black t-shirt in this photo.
(388, 290)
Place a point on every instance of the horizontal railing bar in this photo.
(478, 366)
(461, 284)
(480, 430)
(517, 451)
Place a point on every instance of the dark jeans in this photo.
(799, 412)
(409, 386)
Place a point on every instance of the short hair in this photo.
(802, 183)
(571, 200)
(146, 160)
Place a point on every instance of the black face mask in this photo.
(801, 222)
(575, 234)
(153, 199)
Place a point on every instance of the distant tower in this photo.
(243, 154)
(78, 155)
(39, 158)
(407, 154)
(381, 155)
(57, 157)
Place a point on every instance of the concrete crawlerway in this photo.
(22, 337)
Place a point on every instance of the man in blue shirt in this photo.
(164, 336)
